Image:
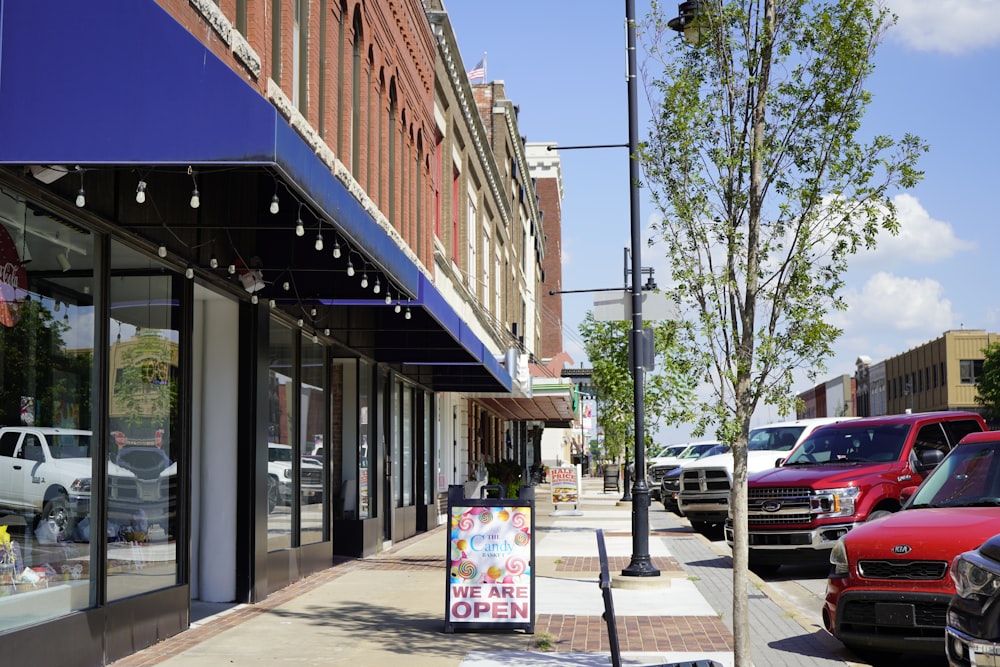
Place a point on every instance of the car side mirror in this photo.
(929, 458)
(779, 462)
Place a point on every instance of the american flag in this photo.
(479, 71)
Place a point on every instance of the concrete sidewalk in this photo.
(390, 609)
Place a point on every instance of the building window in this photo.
(969, 370)
(454, 214)
(300, 55)
(472, 263)
(356, 98)
(312, 438)
(282, 436)
(276, 40)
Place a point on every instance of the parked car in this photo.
(706, 484)
(889, 586)
(661, 455)
(842, 475)
(46, 472)
(670, 484)
(657, 470)
(973, 631)
(279, 476)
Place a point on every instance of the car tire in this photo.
(57, 509)
(878, 514)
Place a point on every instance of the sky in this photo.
(937, 75)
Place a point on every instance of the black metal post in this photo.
(641, 564)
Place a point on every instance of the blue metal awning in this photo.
(120, 82)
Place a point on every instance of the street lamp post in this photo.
(640, 564)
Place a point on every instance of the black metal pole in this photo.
(641, 564)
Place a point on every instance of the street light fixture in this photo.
(641, 564)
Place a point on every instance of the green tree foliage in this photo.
(766, 188)
(667, 393)
(988, 383)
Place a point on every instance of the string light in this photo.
(364, 279)
(275, 205)
(388, 298)
(272, 303)
(254, 299)
(336, 248)
(81, 195)
(378, 286)
(350, 267)
(140, 192)
(213, 262)
(398, 307)
(300, 322)
(312, 313)
(195, 197)
(189, 273)
(231, 269)
(286, 286)
(300, 229)
(407, 315)
(162, 250)
(326, 332)
(319, 240)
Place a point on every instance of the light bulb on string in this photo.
(398, 307)
(326, 332)
(300, 322)
(162, 250)
(286, 286)
(189, 273)
(377, 287)
(275, 205)
(140, 193)
(213, 262)
(336, 248)
(312, 313)
(231, 269)
(364, 279)
(300, 229)
(350, 267)
(195, 197)
(407, 315)
(272, 303)
(388, 298)
(319, 240)
(254, 299)
(81, 195)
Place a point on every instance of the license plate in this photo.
(894, 613)
(984, 660)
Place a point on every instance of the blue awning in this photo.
(120, 82)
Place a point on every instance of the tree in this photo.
(766, 190)
(668, 387)
(988, 383)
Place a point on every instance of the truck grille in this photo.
(914, 570)
(704, 479)
(312, 478)
(795, 504)
(656, 473)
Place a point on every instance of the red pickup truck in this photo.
(891, 580)
(842, 475)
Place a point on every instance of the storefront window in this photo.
(47, 341)
(144, 447)
(281, 437)
(407, 446)
(313, 469)
(428, 448)
(366, 453)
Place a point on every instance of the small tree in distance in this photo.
(988, 384)
(765, 192)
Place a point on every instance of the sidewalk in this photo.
(390, 609)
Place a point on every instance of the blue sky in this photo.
(937, 75)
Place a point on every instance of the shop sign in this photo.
(13, 280)
(565, 484)
(490, 561)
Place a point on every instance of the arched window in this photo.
(391, 208)
(356, 95)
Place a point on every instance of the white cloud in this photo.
(921, 238)
(896, 306)
(946, 26)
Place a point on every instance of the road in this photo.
(801, 589)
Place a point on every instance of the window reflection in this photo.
(281, 436)
(142, 526)
(46, 451)
(312, 470)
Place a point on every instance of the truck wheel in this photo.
(878, 514)
(57, 509)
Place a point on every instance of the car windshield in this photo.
(847, 444)
(969, 476)
(69, 446)
(283, 454)
(715, 449)
(670, 450)
(774, 438)
(695, 451)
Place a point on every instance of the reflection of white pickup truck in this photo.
(46, 472)
(279, 476)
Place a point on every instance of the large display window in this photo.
(144, 446)
(47, 342)
(312, 432)
(282, 449)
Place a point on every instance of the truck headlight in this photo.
(838, 558)
(80, 485)
(835, 502)
(972, 580)
(287, 473)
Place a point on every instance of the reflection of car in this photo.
(658, 469)
(670, 484)
(279, 472)
(46, 471)
(889, 587)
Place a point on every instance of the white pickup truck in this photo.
(46, 472)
